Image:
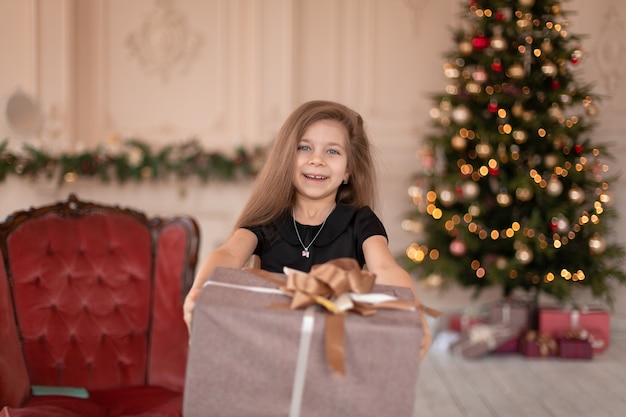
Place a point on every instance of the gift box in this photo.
(481, 340)
(462, 322)
(538, 345)
(557, 323)
(512, 314)
(575, 349)
(250, 357)
(509, 346)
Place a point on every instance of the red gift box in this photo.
(575, 349)
(538, 345)
(557, 323)
(510, 346)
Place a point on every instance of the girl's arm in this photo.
(232, 254)
(380, 261)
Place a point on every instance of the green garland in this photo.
(134, 161)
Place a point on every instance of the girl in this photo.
(311, 204)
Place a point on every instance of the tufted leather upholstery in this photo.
(91, 297)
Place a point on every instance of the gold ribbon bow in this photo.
(579, 334)
(330, 285)
(546, 343)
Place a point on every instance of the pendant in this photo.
(305, 253)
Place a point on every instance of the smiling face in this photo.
(321, 163)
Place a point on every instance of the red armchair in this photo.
(91, 299)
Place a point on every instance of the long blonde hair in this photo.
(274, 193)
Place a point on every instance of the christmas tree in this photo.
(512, 190)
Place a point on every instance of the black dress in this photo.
(342, 236)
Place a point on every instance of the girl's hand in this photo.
(190, 302)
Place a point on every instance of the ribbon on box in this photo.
(579, 334)
(340, 286)
(546, 343)
(583, 334)
(575, 319)
(488, 334)
(484, 333)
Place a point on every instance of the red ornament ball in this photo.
(578, 148)
(492, 107)
(553, 225)
(480, 42)
(496, 65)
(556, 84)
(494, 171)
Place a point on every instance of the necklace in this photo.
(305, 249)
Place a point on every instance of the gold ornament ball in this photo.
(550, 160)
(554, 187)
(556, 9)
(591, 109)
(546, 46)
(524, 255)
(450, 70)
(435, 113)
(447, 195)
(516, 71)
(498, 43)
(471, 190)
(549, 68)
(524, 194)
(576, 194)
(445, 105)
(458, 143)
(484, 150)
(473, 88)
(517, 110)
(520, 136)
(555, 112)
(465, 48)
(597, 244)
(503, 199)
(433, 281)
(502, 262)
(566, 98)
(528, 115)
(69, 177)
(461, 114)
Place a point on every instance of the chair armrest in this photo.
(14, 382)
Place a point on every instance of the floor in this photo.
(512, 385)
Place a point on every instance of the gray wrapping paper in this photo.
(243, 355)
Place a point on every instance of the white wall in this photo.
(229, 71)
